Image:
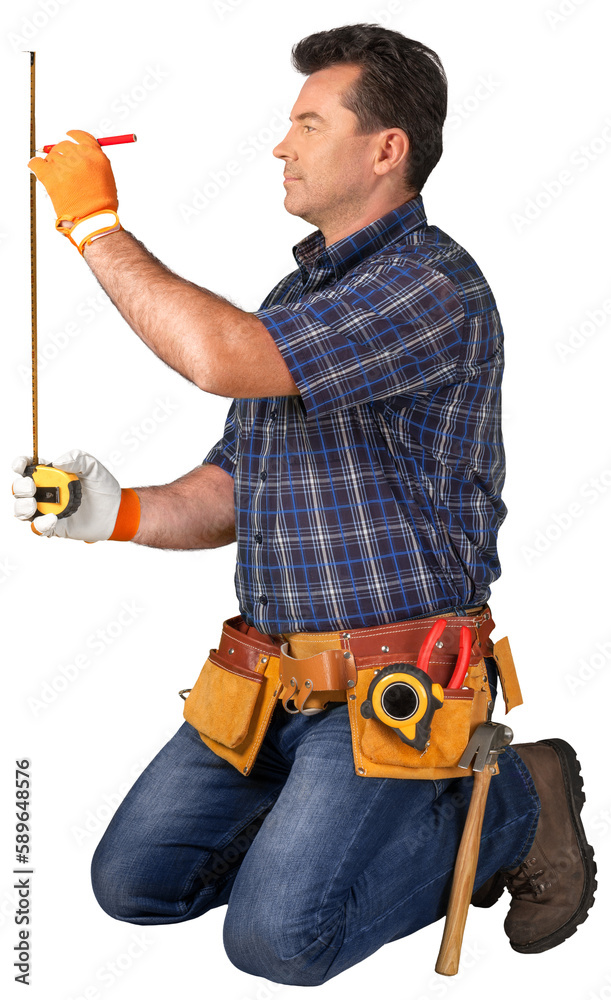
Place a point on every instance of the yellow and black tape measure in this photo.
(57, 492)
(404, 697)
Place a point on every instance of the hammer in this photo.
(486, 743)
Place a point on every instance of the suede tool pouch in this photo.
(233, 698)
(223, 700)
(380, 752)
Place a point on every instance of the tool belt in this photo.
(232, 700)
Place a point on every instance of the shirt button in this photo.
(273, 415)
(263, 476)
(263, 599)
(258, 537)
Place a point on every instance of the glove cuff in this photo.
(87, 229)
(128, 517)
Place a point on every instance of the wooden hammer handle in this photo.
(464, 876)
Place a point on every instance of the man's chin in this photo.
(293, 210)
(294, 207)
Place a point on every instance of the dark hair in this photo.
(402, 85)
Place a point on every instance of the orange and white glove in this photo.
(106, 511)
(80, 182)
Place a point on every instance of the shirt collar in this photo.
(349, 251)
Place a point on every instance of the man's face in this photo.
(328, 167)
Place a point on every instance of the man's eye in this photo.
(309, 127)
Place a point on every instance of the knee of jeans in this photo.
(257, 943)
(111, 886)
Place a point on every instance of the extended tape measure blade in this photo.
(57, 492)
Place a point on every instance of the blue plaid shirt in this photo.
(375, 495)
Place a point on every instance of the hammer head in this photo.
(484, 744)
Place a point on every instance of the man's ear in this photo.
(393, 150)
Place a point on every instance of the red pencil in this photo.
(108, 140)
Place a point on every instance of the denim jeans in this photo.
(318, 867)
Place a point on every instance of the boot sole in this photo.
(573, 783)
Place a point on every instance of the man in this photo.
(360, 471)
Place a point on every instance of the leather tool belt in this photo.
(233, 699)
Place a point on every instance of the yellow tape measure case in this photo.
(57, 492)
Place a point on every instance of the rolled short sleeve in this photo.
(391, 331)
(224, 453)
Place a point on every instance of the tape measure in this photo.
(57, 492)
(404, 697)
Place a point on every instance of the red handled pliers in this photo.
(464, 652)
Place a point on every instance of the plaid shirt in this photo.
(374, 496)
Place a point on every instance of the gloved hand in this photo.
(106, 511)
(78, 177)
(80, 182)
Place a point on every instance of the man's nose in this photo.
(285, 149)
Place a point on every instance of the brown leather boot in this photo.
(491, 891)
(553, 888)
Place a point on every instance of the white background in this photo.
(207, 83)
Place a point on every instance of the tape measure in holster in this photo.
(404, 697)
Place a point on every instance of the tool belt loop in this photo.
(329, 670)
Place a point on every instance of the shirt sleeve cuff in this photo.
(216, 457)
(316, 372)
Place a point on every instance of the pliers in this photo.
(464, 652)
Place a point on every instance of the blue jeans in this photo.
(318, 867)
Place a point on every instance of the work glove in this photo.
(105, 512)
(79, 180)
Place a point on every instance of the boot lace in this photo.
(525, 881)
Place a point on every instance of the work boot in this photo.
(553, 888)
(491, 891)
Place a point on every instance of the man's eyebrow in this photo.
(308, 114)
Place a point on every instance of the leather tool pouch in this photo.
(232, 700)
(379, 751)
